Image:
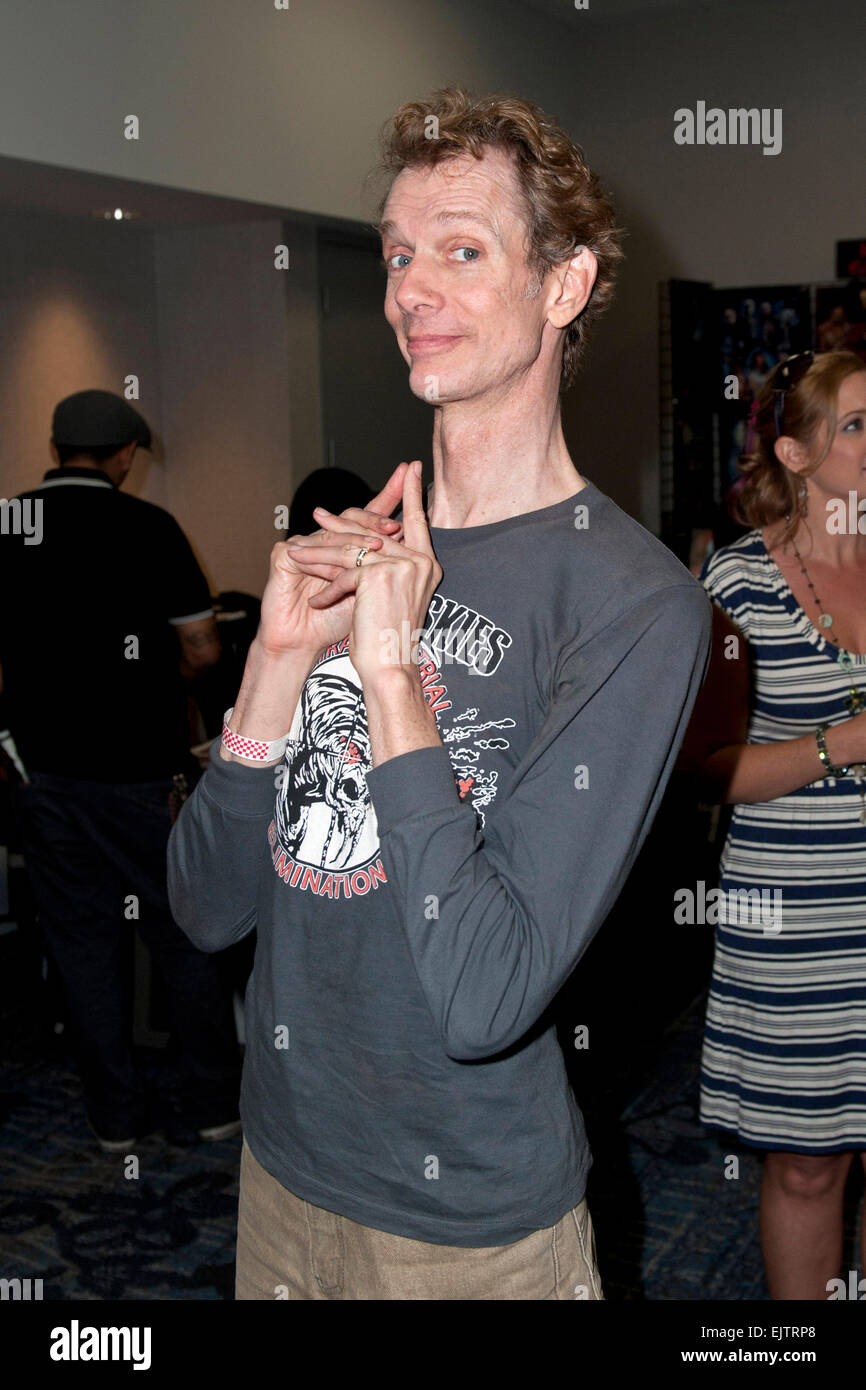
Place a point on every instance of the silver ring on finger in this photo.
(361, 553)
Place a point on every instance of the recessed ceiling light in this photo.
(115, 214)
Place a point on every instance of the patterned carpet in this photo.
(669, 1224)
(70, 1216)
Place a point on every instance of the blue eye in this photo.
(473, 249)
(396, 256)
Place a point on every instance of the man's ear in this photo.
(572, 285)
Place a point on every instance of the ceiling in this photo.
(615, 9)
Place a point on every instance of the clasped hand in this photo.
(389, 592)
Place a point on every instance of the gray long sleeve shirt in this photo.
(416, 919)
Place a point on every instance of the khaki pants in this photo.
(288, 1248)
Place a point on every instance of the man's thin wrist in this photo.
(293, 658)
(266, 701)
(399, 716)
(385, 682)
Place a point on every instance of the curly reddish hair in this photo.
(564, 203)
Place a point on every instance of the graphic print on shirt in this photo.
(471, 778)
(324, 837)
(455, 632)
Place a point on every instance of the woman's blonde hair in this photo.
(768, 490)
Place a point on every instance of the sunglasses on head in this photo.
(792, 370)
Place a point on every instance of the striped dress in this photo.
(784, 1053)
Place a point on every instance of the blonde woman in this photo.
(779, 731)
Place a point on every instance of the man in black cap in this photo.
(106, 611)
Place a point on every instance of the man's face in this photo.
(454, 244)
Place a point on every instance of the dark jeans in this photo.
(89, 848)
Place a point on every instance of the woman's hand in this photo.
(290, 621)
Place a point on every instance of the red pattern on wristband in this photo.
(244, 747)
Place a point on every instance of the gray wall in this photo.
(226, 372)
(727, 214)
(225, 347)
(77, 307)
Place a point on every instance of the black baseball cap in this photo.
(92, 419)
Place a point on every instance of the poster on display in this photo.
(758, 328)
(840, 317)
(732, 339)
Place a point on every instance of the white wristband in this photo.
(253, 748)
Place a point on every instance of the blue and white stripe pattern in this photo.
(784, 1054)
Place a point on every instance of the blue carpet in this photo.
(71, 1217)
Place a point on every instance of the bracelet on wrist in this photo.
(257, 750)
(824, 755)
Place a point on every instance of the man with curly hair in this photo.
(483, 672)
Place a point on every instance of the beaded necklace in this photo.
(855, 701)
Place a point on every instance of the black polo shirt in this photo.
(93, 581)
